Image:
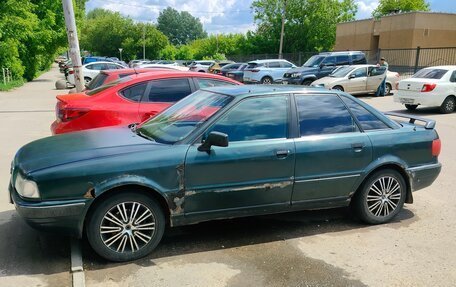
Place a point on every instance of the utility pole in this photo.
(283, 28)
(144, 42)
(75, 52)
(120, 50)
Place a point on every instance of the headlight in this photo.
(26, 188)
(295, 75)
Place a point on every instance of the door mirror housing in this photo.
(214, 139)
(352, 76)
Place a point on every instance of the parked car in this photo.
(322, 65)
(92, 69)
(266, 71)
(216, 67)
(132, 99)
(91, 59)
(433, 87)
(223, 152)
(233, 67)
(359, 79)
(200, 66)
(162, 66)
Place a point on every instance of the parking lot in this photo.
(311, 248)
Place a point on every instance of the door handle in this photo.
(357, 147)
(282, 153)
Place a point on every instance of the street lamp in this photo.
(120, 50)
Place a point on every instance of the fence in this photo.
(6, 72)
(404, 61)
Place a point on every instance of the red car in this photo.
(132, 99)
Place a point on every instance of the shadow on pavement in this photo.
(425, 111)
(25, 251)
(215, 235)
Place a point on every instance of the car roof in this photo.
(245, 90)
(131, 71)
(445, 67)
(341, 53)
(176, 73)
(101, 62)
(268, 60)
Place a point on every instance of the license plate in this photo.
(285, 82)
(246, 79)
(407, 101)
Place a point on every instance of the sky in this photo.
(223, 16)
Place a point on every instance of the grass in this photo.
(11, 85)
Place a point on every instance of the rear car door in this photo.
(275, 70)
(375, 78)
(162, 93)
(331, 152)
(254, 170)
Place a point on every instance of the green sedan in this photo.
(223, 152)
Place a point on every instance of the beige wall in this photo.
(402, 31)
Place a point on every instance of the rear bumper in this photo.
(63, 217)
(292, 81)
(423, 176)
(417, 98)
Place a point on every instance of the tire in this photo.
(307, 82)
(266, 80)
(388, 89)
(126, 243)
(411, 107)
(87, 80)
(448, 105)
(201, 71)
(372, 204)
(338, 88)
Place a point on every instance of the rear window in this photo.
(367, 120)
(358, 59)
(97, 81)
(253, 65)
(430, 74)
(107, 86)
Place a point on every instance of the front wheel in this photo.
(448, 105)
(125, 226)
(87, 80)
(411, 107)
(381, 197)
(307, 82)
(338, 88)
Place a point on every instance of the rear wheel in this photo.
(87, 80)
(125, 226)
(381, 197)
(448, 105)
(266, 80)
(387, 89)
(411, 107)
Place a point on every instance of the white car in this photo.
(163, 66)
(433, 86)
(90, 70)
(200, 66)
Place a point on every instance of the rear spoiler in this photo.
(428, 124)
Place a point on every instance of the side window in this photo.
(323, 114)
(134, 93)
(453, 77)
(376, 71)
(113, 67)
(274, 65)
(286, 65)
(256, 119)
(358, 59)
(206, 83)
(97, 66)
(367, 120)
(168, 90)
(342, 60)
(90, 67)
(331, 60)
(361, 72)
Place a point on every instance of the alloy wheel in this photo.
(127, 227)
(384, 196)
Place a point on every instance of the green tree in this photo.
(180, 27)
(386, 7)
(310, 25)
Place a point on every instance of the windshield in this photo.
(181, 119)
(107, 86)
(430, 74)
(314, 61)
(341, 72)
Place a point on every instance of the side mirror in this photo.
(352, 76)
(214, 139)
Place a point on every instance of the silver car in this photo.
(359, 79)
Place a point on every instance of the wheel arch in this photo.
(308, 77)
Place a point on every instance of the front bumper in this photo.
(292, 81)
(64, 217)
(423, 176)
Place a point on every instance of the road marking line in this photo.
(77, 268)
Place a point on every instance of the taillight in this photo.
(66, 115)
(428, 87)
(71, 72)
(254, 71)
(436, 147)
(397, 75)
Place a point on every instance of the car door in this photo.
(255, 170)
(357, 81)
(162, 93)
(331, 152)
(274, 70)
(375, 76)
(327, 66)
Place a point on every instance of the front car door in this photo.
(331, 152)
(162, 93)
(327, 66)
(357, 81)
(255, 172)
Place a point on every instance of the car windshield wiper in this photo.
(141, 134)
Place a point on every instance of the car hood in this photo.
(327, 81)
(79, 146)
(306, 70)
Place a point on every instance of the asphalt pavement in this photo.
(310, 248)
